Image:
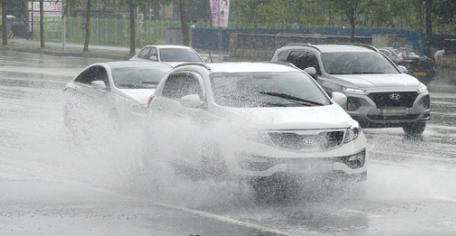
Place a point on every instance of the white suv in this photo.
(379, 93)
(252, 120)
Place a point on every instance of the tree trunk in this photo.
(42, 23)
(429, 28)
(4, 22)
(420, 20)
(353, 28)
(184, 23)
(132, 27)
(87, 26)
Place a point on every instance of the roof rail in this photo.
(365, 45)
(192, 64)
(297, 44)
(304, 44)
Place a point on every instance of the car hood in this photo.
(376, 80)
(141, 96)
(318, 117)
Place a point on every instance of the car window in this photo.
(357, 63)
(144, 54)
(304, 59)
(178, 85)
(138, 78)
(266, 90)
(178, 55)
(282, 56)
(93, 73)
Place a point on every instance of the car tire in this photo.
(414, 129)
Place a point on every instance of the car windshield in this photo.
(178, 55)
(138, 78)
(266, 90)
(357, 63)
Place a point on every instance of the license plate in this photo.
(419, 73)
(309, 166)
(396, 111)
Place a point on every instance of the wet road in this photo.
(53, 185)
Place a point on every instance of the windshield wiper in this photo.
(355, 73)
(130, 86)
(292, 98)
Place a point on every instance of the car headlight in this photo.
(422, 89)
(353, 90)
(352, 133)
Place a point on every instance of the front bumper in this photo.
(264, 161)
(370, 114)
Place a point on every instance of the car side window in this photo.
(182, 84)
(304, 59)
(95, 73)
(144, 54)
(282, 56)
(153, 55)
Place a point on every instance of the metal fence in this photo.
(116, 32)
(107, 32)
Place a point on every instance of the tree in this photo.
(87, 26)
(4, 22)
(184, 22)
(42, 23)
(351, 9)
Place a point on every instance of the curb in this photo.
(89, 54)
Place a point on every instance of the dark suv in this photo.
(379, 93)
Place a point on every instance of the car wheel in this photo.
(414, 129)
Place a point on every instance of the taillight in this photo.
(150, 101)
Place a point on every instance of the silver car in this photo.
(168, 53)
(379, 93)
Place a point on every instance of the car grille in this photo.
(383, 99)
(407, 117)
(294, 141)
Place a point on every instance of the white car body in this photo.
(258, 141)
(119, 88)
(168, 53)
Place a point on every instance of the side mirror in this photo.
(205, 59)
(191, 101)
(153, 58)
(311, 71)
(339, 98)
(98, 84)
(402, 69)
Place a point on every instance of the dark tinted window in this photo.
(303, 60)
(92, 74)
(282, 56)
(179, 85)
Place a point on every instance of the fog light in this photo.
(353, 161)
(426, 102)
(353, 104)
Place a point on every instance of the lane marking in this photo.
(348, 210)
(444, 199)
(184, 209)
